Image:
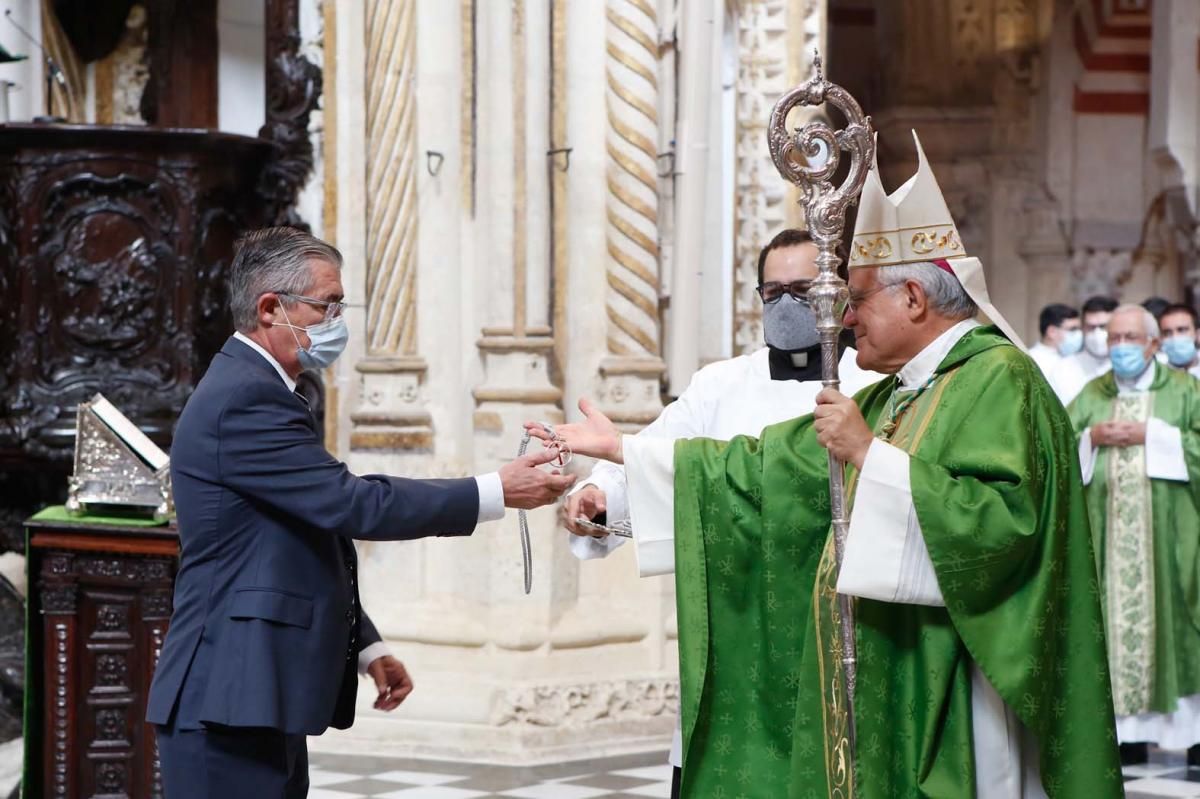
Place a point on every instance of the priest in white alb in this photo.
(1139, 431)
(740, 395)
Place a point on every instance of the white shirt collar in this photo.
(252, 344)
(1139, 384)
(914, 373)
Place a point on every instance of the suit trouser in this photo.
(220, 762)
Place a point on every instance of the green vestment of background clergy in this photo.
(996, 486)
(1147, 541)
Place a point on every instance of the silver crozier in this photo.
(809, 157)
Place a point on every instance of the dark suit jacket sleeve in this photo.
(367, 634)
(268, 453)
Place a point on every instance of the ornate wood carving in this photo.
(113, 248)
(106, 615)
(293, 91)
(58, 715)
(58, 599)
(156, 605)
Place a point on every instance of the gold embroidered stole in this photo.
(1129, 565)
(910, 429)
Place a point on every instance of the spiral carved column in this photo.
(391, 415)
(630, 389)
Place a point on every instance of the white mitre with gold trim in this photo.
(914, 225)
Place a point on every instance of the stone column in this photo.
(1173, 141)
(391, 415)
(630, 388)
(776, 39)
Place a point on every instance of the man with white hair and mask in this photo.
(1139, 446)
(981, 668)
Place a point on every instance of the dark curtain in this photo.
(93, 26)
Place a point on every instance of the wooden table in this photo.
(100, 599)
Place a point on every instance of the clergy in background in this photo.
(1140, 452)
(1178, 326)
(1072, 373)
(1061, 334)
(981, 662)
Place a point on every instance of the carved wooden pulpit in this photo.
(100, 596)
(114, 248)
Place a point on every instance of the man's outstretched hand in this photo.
(596, 436)
(527, 487)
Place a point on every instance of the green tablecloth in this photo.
(58, 513)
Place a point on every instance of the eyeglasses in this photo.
(771, 292)
(333, 309)
(855, 301)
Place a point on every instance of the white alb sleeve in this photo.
(886, 558)
(609, 478)
(686, 417)
(1164, 452)
(650, 468)
(1087, 456)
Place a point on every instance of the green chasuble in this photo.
(1147, 541)
(996, 487)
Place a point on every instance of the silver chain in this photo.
(564, 457)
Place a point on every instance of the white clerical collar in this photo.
(914, 373)
(1139, 384)
(254, 345)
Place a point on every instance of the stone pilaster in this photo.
(391, 415)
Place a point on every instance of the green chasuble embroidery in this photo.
(997, 491)
(1147, 539)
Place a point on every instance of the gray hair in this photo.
(1148, 321)
(946, 295)
(272, 259)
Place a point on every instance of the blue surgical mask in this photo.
(327, 340)
(1128, 360)
(1071, 343)
(1180, 350)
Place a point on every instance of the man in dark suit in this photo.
(268, 636)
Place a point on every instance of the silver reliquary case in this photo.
(117, 467)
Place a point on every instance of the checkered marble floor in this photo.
(1167, 774)
(357, 777)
